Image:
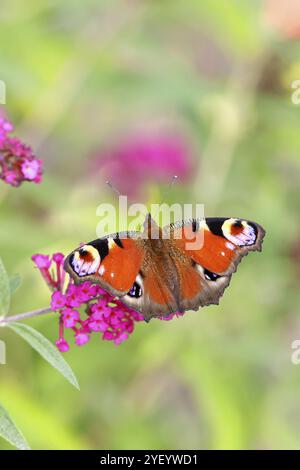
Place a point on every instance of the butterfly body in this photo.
(159, 271)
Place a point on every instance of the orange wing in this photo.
(214, 247)
(113, 262)
(217, 244)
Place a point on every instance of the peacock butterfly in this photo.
(158, 275)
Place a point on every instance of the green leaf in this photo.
(4, 291)
(14, 282)
(10, 432)
(46, 349)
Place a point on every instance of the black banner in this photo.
(134, 459)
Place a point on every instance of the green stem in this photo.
(21, 316)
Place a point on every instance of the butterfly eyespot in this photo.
(230, 246)
(135, 291)
(206, 274)
(239, 232)
(85, 261)
(210, 276)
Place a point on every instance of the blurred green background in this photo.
(82, 78)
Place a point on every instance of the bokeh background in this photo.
(136, 91)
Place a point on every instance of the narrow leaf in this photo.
(46, 349)
(14, 282)
(4, 291)
(10, 432)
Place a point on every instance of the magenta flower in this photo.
(17, 161)
(143, 158)
(58, 258)
(87, 291)
(41, 261)
(100, 310)
(74, 298)
(62, 345)
(10, 177)
(70, 317)
(97, 324)
(81, 338)
(45, 264)
(30, 169)
(122, 337)
(58, 301)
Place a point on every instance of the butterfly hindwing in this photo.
(156, 298)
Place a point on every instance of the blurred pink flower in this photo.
(30, 169)
(143, 158)
(283, 16)
(17, 161)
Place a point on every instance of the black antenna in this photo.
(174, 178)
(115, 190)
(172, 182)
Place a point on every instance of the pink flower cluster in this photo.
(17, 161)
(103, 314)
(51, 269)
(86, 308)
